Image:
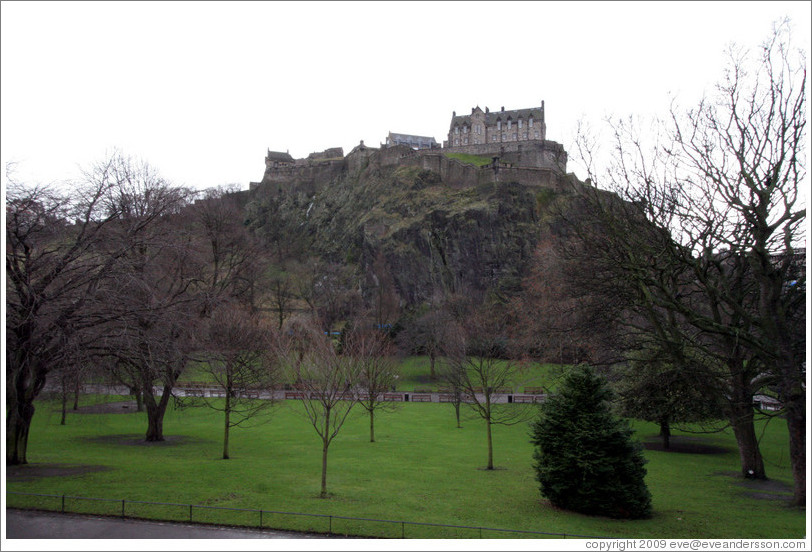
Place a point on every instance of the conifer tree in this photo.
(586, 460)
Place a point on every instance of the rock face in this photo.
(426, 234)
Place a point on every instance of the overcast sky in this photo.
(202, 90)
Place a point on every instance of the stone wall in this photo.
(302, 178)
(330, 153)
(530, 163)
(529, 153)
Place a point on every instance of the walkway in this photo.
(24, 524)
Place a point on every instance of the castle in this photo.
(515, 141)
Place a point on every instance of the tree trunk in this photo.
(18, 425)
(325, 445)
(743, 428)
(457, 412)
(665, 433)
(227, 411)
(64, 400)
(77, 387)
(155, 413)
(490, 445)
(432, 373)
(372, 426)
(796, 423)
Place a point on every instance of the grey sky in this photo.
(201, 90)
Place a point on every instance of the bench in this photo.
(447, 397)
(393, 396)
(294, 395)
(420, 397)
(524, 399)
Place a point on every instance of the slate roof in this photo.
(279, 156)
(490, 118)
(411, 139)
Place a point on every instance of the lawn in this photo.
(414, 375)
(421, 469)
(478, 160)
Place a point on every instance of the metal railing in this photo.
(323, 523)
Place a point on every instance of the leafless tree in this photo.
(151, 299)
(58, 251)
(324, 380)
(370, 350)
(481, 371)
(427, 332)
(719, 186)
(236, 348)
(329, 289)
(231, 257)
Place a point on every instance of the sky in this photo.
(201, 90)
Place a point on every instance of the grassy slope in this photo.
(422, 469)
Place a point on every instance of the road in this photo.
(23, 524)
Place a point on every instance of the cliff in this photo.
(431, 223)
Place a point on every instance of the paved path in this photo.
(22, 524)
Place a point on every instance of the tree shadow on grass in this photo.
(682, 444)
(138, 439)
(30, 472)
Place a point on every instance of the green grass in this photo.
(478, 160)
(414, 375)
(421, 469)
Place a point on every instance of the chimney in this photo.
(487, 109)
(453, 113)
(503, 108)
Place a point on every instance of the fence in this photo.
(265, 519)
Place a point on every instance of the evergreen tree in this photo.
(586, 460)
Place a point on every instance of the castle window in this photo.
(456, 141)
(530, 124)
(537, 134)
(456, 130)
(498, 125)
(520, 123)
(509, 121)
(524, 136)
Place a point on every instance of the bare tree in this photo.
(237, 349)
(150, 301)
(427, 332)
(324, 380)
(720, 186)
(481, 371)
(231, 257)
(371, 351)
(57, 254)
(329, 290)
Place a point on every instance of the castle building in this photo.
(414, 142)
(277, 159)
(486, 127)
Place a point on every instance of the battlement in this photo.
(515, 139)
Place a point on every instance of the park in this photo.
(421, 469)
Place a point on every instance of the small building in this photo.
(277, 159)
(414, 142)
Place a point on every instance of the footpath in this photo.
(25, 524)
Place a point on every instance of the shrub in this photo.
(586, 460)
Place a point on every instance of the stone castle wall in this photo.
(458, 174)
(548, 171)
(529, 153)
